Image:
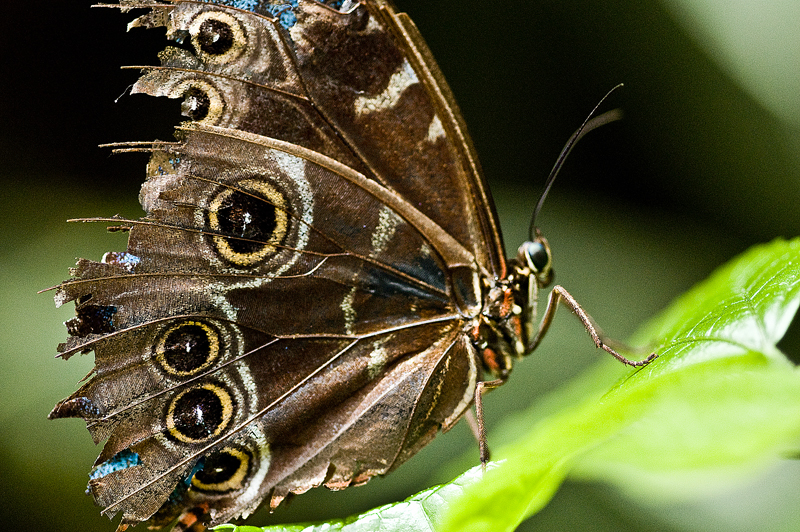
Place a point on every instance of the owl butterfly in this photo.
(319, 286)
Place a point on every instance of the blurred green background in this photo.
(705, 164)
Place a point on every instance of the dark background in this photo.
(698, 171)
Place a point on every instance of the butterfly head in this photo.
(535, 260)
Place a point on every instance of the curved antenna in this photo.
(588, 125)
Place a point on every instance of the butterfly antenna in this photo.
(590, 123)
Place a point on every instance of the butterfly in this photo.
(319, 286)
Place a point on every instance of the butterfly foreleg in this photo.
(560, 295)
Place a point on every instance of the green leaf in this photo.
(719, 402)
(419, 513)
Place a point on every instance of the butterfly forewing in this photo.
(298, 307)
(358, 86)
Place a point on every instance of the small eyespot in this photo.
(199, 413)
(196, 104)
(223, 470)
(217, 37)
(214, 37)
(202, 101)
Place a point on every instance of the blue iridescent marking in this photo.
(121, 460)
(248, 5)
(197, 467)
(286, 17)
(129, 261)
(283, 10)
(179, 492)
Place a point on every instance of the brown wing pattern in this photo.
(284, 315)
(360, 87)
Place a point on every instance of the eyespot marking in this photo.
(223, 470)
(187, 348)
(217, 37)
(199, 413)
(249, 222)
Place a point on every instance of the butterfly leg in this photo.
(478, 425)
(560, 295)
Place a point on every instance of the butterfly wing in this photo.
(284, 317)
(359, 86)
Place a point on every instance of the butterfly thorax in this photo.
(506, 326)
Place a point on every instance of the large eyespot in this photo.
(224, 470)
(187, 348)
(202, 101)
(217, 37)
(199, 413)
(249, 222)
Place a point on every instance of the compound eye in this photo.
(537, 255)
